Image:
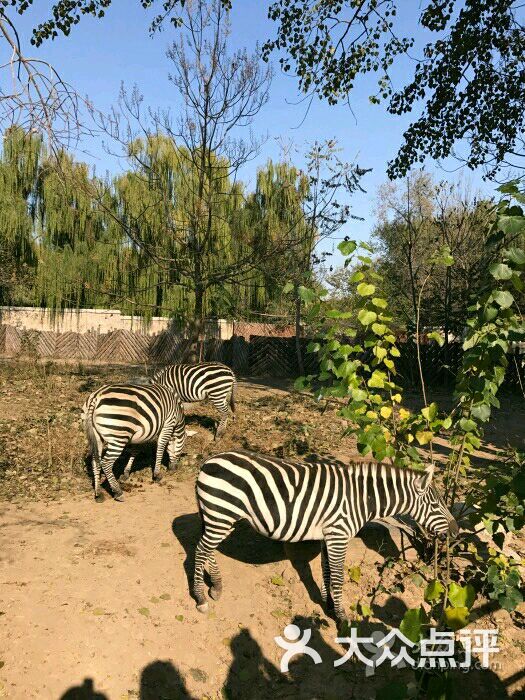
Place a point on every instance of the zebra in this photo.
(207, 380)
(293, 501)
(117, 415)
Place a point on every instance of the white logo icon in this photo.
(294, 645)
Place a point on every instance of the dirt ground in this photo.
(94, 599)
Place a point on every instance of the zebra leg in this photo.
(336, 544)
(176, 445)
(129, 465)
(325, 587)
(95, 463)
(208, 543)
(216, 578)
(221, 405)
(113, 452)
(164, 438)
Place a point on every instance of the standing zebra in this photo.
(293, 502)
(208, 380)
(120, 414)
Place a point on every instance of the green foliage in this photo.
(503, 581)
(363, 372)
(358, 369)
(469, 81)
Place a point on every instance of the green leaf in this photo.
(511, 224)
(307, 295)
(288, 287)
(411, 624)
(358, 394)
(467, 425)
(366, 610)
(365, 290)
(357, 276)
(347, 247)
(379, 328)
(430, 412)
(433, 591)
(461, 596)
(437, 337)
(456, 618)
(277, 581)
(503, 299)
(481, 412)
(511, 599)
(516, 256)
(366, 317)
(380, 303)
(500, 271)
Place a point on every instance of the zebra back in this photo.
(129, 410)
(295, 501)
(198, 381)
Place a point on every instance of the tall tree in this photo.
(470, 79)
(418, 218)
(19, 167)
(196, 165)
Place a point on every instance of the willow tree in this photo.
(19, 167)
(180, 267)
(187, 218)
(82, 257)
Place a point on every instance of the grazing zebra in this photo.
(208, 380)
(293, 502)
(125, 414)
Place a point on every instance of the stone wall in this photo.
(26, 318)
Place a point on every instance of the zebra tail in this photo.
(232, 397)
(89, 428)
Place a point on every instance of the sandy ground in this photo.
(94, 599)
(95, 604)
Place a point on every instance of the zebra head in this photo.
(429, 509)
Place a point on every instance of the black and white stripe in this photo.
(207, 380)
(293, 501)
(118, 415)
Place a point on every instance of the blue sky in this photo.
(99, 55)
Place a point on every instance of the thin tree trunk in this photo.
(300, 364)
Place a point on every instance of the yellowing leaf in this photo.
(355, 573)
(365, 290)
(385, 411)
(456, 618)
(403, 413)
(424, 436)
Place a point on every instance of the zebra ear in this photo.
(425, 479)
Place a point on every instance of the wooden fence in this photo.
(258, 356)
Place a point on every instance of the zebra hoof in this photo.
(203, 608)
(119, 497)
(157, 477)
(172, 466)
(215, 593)
(124, 477)
(99, 498)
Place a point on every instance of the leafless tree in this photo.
(33, 95)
